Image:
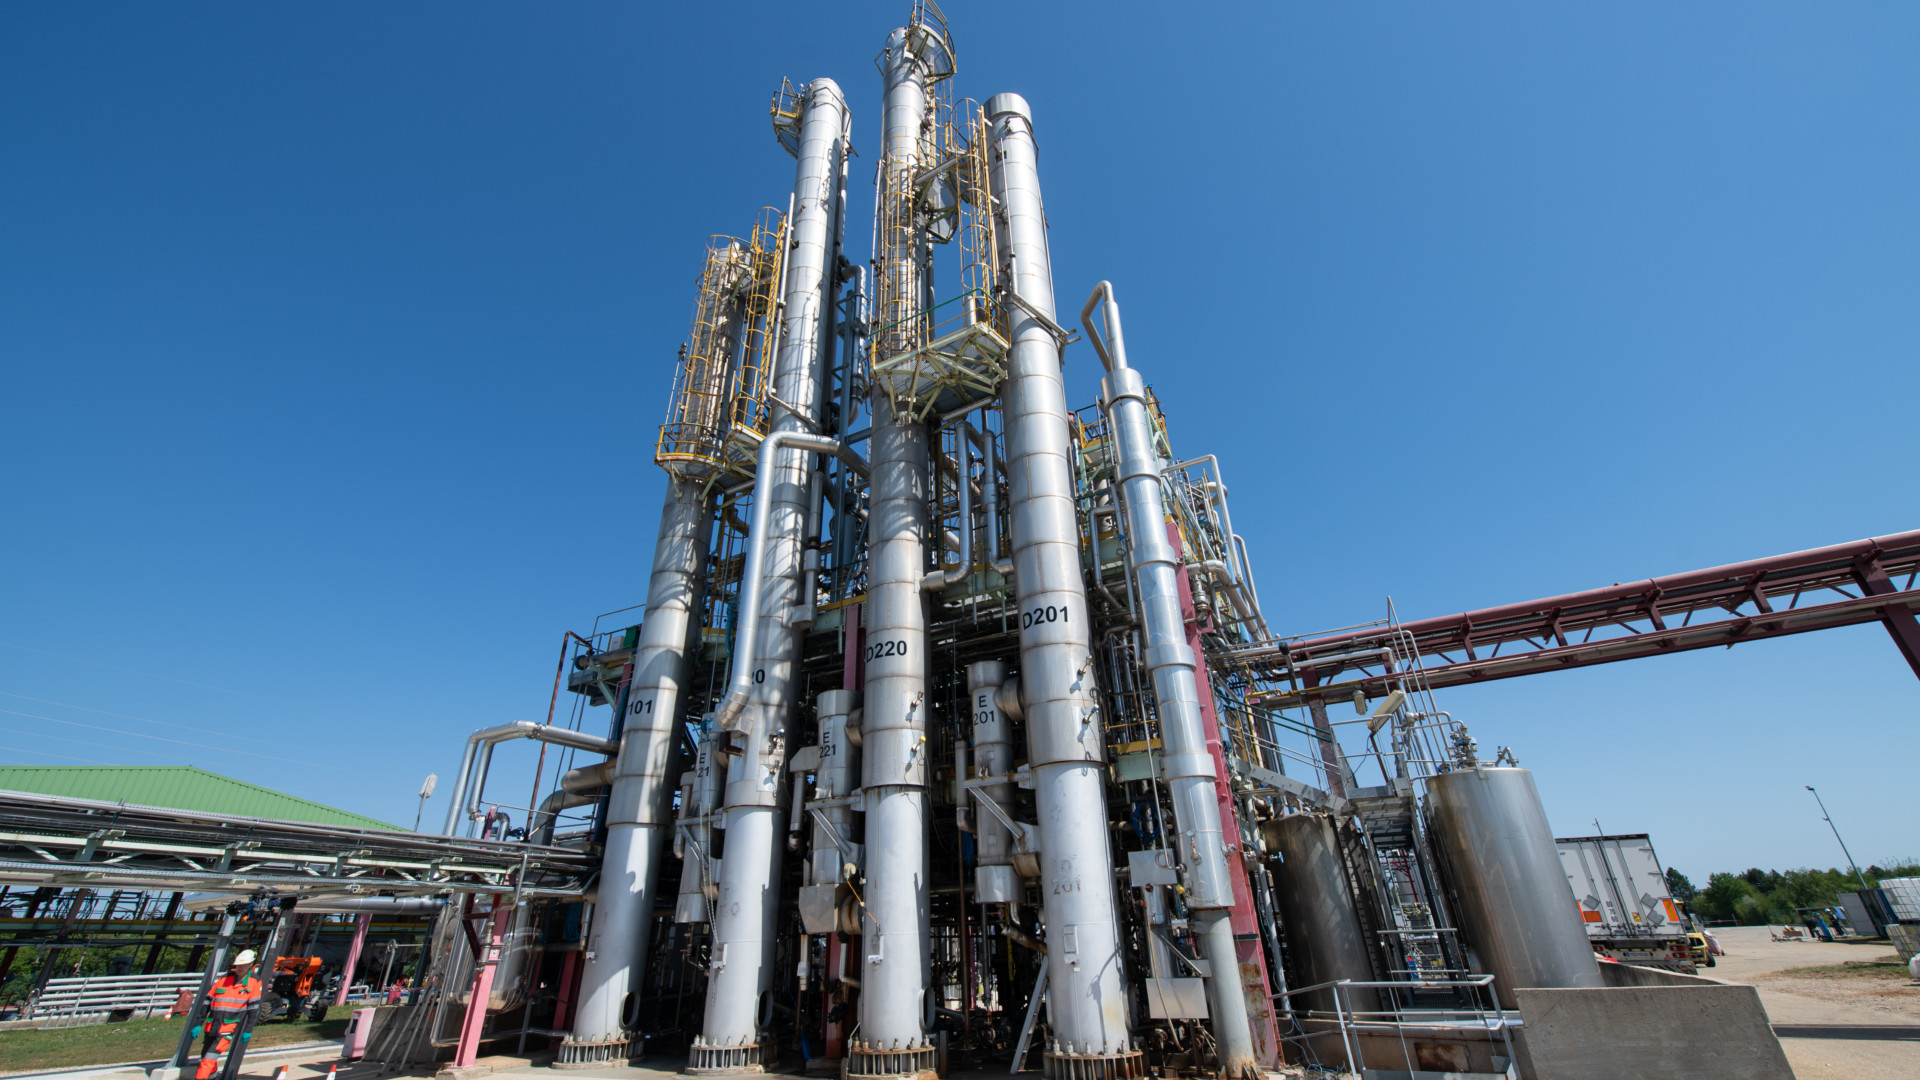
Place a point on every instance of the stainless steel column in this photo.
(994, 881)
(1066, 742)
(743, 918)
(1188, 764)
(894, 967)
(639, 807)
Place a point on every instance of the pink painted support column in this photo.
(476, 1016)
(360, 926)
(1246, 925)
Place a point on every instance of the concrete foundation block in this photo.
(1648, 1032)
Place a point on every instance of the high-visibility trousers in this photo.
(217, 1045)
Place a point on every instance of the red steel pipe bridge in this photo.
(1865, 581)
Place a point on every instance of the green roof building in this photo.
(177, 787)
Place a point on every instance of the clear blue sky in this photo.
(334, 339)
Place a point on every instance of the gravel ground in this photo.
(1852, 1023)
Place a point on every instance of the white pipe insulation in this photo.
(1188, 764)
(479, 755)
(1066, 741)
(755, 714)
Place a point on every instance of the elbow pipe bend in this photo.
(480, 747)
(746, 638)
(1102, 293)
(1236, 590)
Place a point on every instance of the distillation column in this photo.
(639, 810)
(755, 721)
(1188, 764)
(1066, 741)
(894, 973)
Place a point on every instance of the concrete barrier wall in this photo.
(1632, 975)
(1653, 1032)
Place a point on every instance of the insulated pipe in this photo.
(994, 881)
(547, 814)
(990, 494)
(893, 757)
(746, 646)
(480, 749)
(384, 905)
(589, 779)
(1236, 593)
(638, 809)
(937, 580)
(1188, 764)
(755, 713)
(1087, 1005)
(1235, 546)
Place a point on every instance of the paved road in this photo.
(1829, 1028)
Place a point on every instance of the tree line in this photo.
(1758, 897)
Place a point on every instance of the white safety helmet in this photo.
(246, 957)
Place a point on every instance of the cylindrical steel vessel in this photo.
(892, 1038)
(1510, 893)
(699, 798)
(747, 907)
(837, 777)
(1188, 766)
(639, 808)
(994, 879)
(1324, 936)
(1066, 735)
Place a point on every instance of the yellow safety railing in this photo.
(718, 410)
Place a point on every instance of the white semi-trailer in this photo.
(1621, 891)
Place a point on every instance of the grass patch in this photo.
(137, 1040)
(1876, 970)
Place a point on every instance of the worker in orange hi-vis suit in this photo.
(231, 1004)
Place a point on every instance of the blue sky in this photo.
(333, 342)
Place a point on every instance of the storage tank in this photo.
(1510, 893)
(1324, 935)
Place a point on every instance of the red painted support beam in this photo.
(483, 968)
(360, 926)
(1246, 925)
(569, 989)
(1898, 618)
(1852, 583)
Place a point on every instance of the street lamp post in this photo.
(1836, 835)
(426, 792)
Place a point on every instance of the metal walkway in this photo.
(59, 842)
